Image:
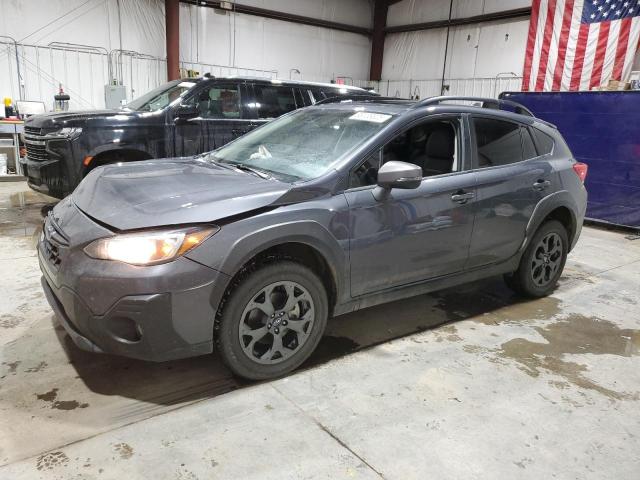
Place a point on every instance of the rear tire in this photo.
(271, 320)
(542, 262)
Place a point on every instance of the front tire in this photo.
(271, 320)
(542, 262)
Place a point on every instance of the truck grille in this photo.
(36, 146)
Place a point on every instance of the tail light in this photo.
(581, 170)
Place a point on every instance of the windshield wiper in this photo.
(238, 166)
(255, 171)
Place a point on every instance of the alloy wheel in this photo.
(547, 259)
(276, 322)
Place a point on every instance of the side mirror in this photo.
(397, 175)
(185, 112)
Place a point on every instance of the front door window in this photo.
(219, 101)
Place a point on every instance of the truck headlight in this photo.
(67, 132)
(149, 248)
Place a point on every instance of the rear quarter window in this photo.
(544, 142)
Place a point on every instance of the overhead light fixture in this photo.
(226, 6)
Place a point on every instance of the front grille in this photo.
(36, 146)
(54, 240)
(51, 253)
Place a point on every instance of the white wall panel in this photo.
(408, 12)
(463, 49)
(410, 55)
(501, 47)
(417, 11)
(482, 50)
(491, 6)
(216, 37)
(93, 22)
(207, 36)
(351, 12)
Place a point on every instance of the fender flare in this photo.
(110, 147)
(548, 204)
(306, 232)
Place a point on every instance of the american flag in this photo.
(580, 44)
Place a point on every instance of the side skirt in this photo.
(431, 285)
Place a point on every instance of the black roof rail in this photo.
(486, 103)
(359, 98)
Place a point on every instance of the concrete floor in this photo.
(470, 382)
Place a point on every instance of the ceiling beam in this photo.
(454, 22)
(283, 16)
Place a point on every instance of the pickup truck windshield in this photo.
(304, 144)
(160, 97)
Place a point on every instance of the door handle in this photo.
(541, 185)
(462, 197)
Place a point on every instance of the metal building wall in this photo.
(320, 54)
(484, 58)
(211, 41)
(481, 58)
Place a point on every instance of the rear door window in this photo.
(273, 101)
(498, 142)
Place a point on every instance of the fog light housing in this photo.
(124, 330)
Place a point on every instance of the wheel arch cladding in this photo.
(107, 154)
(315, 248)
(558, 206)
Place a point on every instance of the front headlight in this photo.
(149, 248)
(67, 132)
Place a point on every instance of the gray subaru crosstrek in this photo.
(326, 210)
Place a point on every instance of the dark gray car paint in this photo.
(172, 192)
(412, 242)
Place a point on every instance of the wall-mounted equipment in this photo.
(115, 96)
(61, 100)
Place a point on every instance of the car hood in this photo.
(66, 119)
(165, 192)
(92, 118)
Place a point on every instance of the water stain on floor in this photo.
(38, 368)
(51, 460)
(448, 333)
(21, 214)
(51, 397)
(575, 334)
(9, 321)
(13, 366)
(495, 307)
(124, 450)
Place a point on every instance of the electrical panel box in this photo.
(115, 96)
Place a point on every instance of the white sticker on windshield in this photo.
(370, 117)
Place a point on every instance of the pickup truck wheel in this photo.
(272, 320)
(542, 262)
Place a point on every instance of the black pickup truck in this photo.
(178, 119)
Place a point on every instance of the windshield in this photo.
(160, 97)
(303, 145)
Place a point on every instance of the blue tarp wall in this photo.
(603, 131)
